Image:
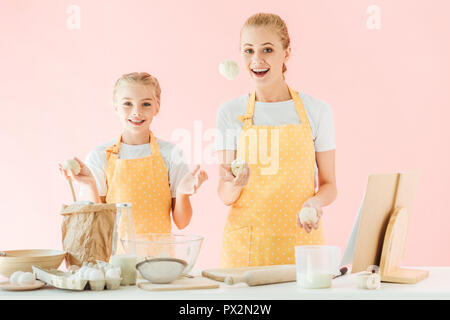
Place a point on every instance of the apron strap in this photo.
(154, 144)
(114, 149)
(300, 108)
(247, 118)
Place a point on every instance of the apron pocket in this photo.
(235, 248)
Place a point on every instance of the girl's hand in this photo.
(241, 179)
(309, 225)
(84, 177)
(190, 182)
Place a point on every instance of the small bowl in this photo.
(161, 270)
(22, 260)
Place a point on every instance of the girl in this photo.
(140, 169)
(297, 131)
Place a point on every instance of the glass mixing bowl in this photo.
(165, 245)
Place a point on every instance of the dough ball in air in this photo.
(15, 277)
(229, 69)
(308, 214)
(73, 165)
(236, 166)
(26, 278)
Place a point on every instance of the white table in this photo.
(435, 287)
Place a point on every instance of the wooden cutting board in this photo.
(181, 284)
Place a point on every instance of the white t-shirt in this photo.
(172, 155)
(319, 113)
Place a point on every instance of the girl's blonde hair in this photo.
(138, 78)
(273, 22)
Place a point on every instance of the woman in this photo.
(297, 131)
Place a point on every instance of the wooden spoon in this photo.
(71, 189)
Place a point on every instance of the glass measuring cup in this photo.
(316, 265)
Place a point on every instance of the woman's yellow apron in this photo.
(261, 227)
(144, 183)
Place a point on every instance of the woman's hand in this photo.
(192, 181)
(309, 225)
(84, 177)
(241, 179)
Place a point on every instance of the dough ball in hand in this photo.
(236, 166)
(73, 165)
(229, 69)
(308, 214)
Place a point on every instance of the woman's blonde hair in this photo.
(138, 78)
(273, 22)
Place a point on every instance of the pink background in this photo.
(389, 90)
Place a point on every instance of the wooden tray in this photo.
(181, 284)
(15, 287)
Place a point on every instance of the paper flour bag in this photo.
(87, 232)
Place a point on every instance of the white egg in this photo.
(95, 274)
(229, 69)
(113, 273)
(73, 165)
(26, 278)
(236, 166)
(87, 273)
(82, 273)
(15, 277)
(73, 269)
(308, 214)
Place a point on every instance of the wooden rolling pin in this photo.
(267, 276)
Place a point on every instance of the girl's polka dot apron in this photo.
(144, 183)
